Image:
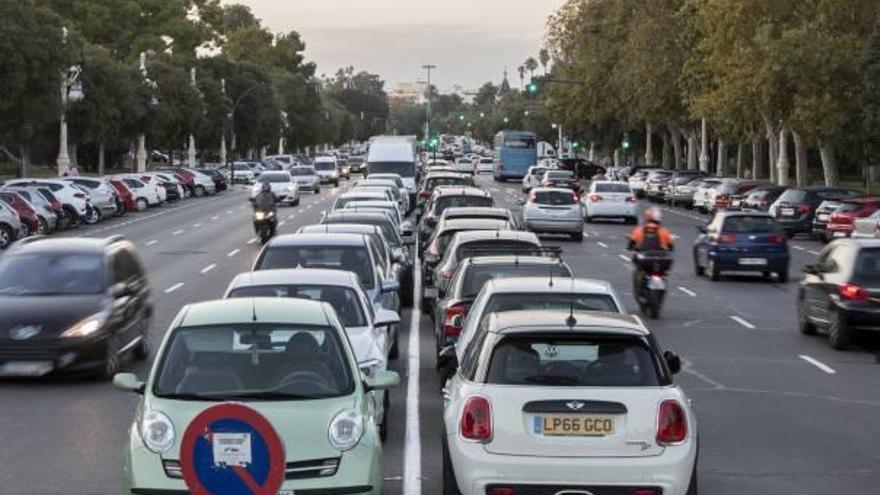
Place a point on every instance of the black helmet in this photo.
(266, 187)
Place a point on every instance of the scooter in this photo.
(264, 225)
(651, 290)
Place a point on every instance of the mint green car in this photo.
(289, 360)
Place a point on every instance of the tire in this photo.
(317, 190)
(42, 226)
(805, 326)
(449, 483)
(383, 426)
(714, 272)
(692, 486)
(72, 216)
(588, 219)
(141, 204)
(782, 277)
(698, 270)
(653, 305)
(394, 352)
(93, 217)
(111, 360)
(839, 333)
(577, 236)
(7, 236)
(142, 350)
(199, 192)
(406, 290)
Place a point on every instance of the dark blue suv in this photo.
(742, 242)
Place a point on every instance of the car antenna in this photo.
(253, 304)
(571, 321)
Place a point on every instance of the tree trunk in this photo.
(773, 141)
(782, 163)
(101, 158)
(721, 166)
(667, 151)
(692, 161)
(829, 163)
(649, 148)
(802, 174)
(675, 135)
(25, 161)
(704, 147)
(757, 160)
(739, 160)
(71, 150)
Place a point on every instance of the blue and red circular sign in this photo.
(231, 449)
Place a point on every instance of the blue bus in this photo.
(515, 152)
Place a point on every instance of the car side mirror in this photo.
(672, 361)
(447, 362)
(386, 318)
(389, 286)
(128, 382)
(382, 380)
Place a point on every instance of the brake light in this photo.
(725, 239)
(852, 292)
(595, 198)
(721, 199)
(804, 208)
(500, 490)
(776, 239)
(645, 491)
(451, 327)
(424, 194)
(671, 423)
(476, 419)
(631, 199)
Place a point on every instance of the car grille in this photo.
(556, 489)
(35, 350)
(300, 470)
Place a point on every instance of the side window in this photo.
(471, 358)
(837, 259)
(125, 266)
(377, 260)
(826, 261)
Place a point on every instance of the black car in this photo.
(448, 197)
(72, 306)
(840, 292)
(357, 165)
(583, 169)
(796, 207)
(451, 310)
(218, 177)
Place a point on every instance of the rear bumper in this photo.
(612, 210)
(861, 317)
(731, 262)
(547, 225)
(796, 225)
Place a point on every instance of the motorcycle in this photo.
(264, 225)
(651, 289)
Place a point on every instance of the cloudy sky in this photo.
(471, 41)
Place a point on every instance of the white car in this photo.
(74, 201)
(566, 402)
(306, 177)
(327, 169)
(608, 199)
(553, 210)
(241, 172)
(702, 194)
(464, 166)
(285, 189)
(367, 331)
(533, 177)
(486, 165)
(143, 189)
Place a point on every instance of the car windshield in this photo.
(251, 361)
(555, 198)
(444, 237)
(274, 178)
(348, 258)
(403, 169)
(51, 274)
(539, 171)
(325, 166)
(849, 207)
(433, 182)
(613, 187)
(793, 196)
(343, 299)
(477, 276)
(302, 171)
(444, 202)
(574, 361)
(746, 224)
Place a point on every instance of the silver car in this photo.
(102, 194)
(307, 178)
(554, 210)
(11, 228)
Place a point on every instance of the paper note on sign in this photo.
(232, 449)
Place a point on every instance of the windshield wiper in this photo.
(189, 396)
(269, 395)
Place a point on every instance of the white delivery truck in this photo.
(394, 155)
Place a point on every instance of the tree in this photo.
(522, 76)
(871, 108)
(531, 65)
(544, 58)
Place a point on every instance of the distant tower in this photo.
(504, 89)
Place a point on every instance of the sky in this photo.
(470, 41)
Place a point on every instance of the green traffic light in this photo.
(626, 145)
(533, 88)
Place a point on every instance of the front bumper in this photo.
(475, 470)
(52, 356)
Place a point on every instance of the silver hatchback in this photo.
(553, 210)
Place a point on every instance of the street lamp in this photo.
(191, 151)
(428, 68)
(71, 92)
(141, 156)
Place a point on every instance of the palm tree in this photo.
(531, 65)
(522, 76)
(544, 57)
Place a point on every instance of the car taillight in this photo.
(452, 320)
(852, 292)
(476, 419)
(725, 239)
(533, 198)
(776, 239)
(631, 199)
(804, 208)
(595, 198)
(721, 199)
(424, 194)
(671, 423)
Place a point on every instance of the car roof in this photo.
(444, 175)
(515, 260)
(340, 228)
(323, 239)
(474, 224)
(556, 320)
(553, 189)
(542, 285)
(354, 215)
(266, 309)
(460, 190)
(472, 211)
(482, 235)
(293, 276)
(362, 194)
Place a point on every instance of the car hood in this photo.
(48, 316)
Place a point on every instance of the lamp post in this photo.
(71, 92)
(558, 128)
(428, 68)
(191, 150)
(284, 124)
(223, 133)
(141, 155)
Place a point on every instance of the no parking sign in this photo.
(231, 449)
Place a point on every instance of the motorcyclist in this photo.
(652, 237)
(265, 201)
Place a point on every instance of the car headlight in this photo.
(289, 188)
(157, 431)
(370, 367)
(346, 429)
(87, 326)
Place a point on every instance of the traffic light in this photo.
(625, 143)
(461, 116)
(532, 88)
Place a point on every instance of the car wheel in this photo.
(111, 360)
(692, 486)
(72, 216)
(578, 236)
(839, 333)
(714, 272)
(6, 236)
(383, 426)
(450, 485)
(782, 277)
(698, 269)
(394, 352)
(93, 217)
(199, 192)
(141, 204)
(406, 288)
(804, 324)
(42, 226)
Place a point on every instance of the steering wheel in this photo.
(308, 377)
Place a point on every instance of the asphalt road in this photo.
(778, 412)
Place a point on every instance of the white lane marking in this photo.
(412, 449)
(819, 364)
(177, 232)
(232, 253)
(195, 226)
(290, 217)
(252, 240)
(602, 244)
(208, 268)
(174, 287)
(309, 207)
(281, 223)
(688, 291)
(799, 248)
(624, 257)
(215, 218)
(152, 243)
(814, 253)
(743, 322)
(586, 234)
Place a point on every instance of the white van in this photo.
(394, 155)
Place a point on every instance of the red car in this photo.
(125, 195)
(843, 219)
(29, 218)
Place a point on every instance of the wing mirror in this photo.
(389, 286)
(673, 362)
(386, 318)
(382, 380)
(447, 363)
(128, 382)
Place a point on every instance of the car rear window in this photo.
(848, 207)
(613, 187)
(539, 171)
(793, 196)
(560, 174)
(555, 198)
(496, 247)
(746, 224)
(581, 360)
(343, 299)
(867, 269)
(302, 171)
(462, 200)
(274, 177)
(348, 258)
(550, 301)
(325, 166)
(477, 276)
